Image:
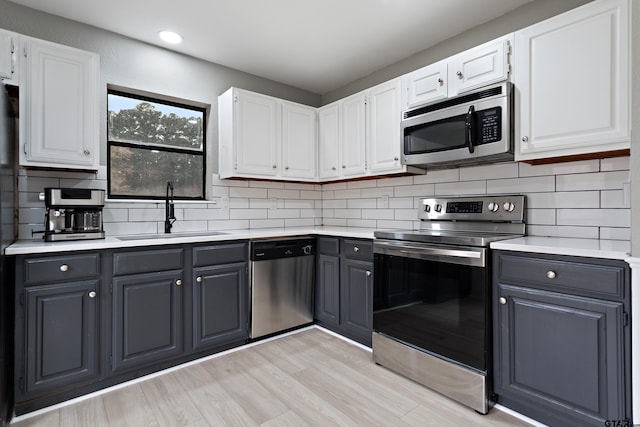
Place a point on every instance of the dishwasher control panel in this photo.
(282, 248)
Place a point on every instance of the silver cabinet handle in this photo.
(368, 273)
(274, 166)
(179, 282)
(503, 300)
(199, 279)
(551, 274)
(286, 168)
(395, 159)
(356, 249)
(64, 267)
(459, 74)
(92, 294)
(344, 166)
(440, 81)
(333, 168)
(525, 138)
(87, 152)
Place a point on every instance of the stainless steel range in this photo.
(432, 293)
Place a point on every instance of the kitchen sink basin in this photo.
(168, 235)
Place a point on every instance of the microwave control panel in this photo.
(490, 125)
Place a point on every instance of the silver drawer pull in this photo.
(551, 274)
(356, 249)
(199, 279)
(502, 300)
(64, 267)
(92, 294)
(179, 282)
(368, 273)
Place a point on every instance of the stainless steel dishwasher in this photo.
(282, 278)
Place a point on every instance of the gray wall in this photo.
(139, 65)
(524, 16)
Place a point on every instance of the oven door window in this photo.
(434, 306)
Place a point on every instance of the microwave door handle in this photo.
(469, 125)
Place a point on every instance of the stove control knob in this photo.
(508, 206)
(427, 208)
(438, 207)
(493, 207)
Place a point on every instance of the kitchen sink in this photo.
(169, 235)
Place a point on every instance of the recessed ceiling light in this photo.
(170, 36)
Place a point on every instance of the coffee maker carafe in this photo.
(73, 214)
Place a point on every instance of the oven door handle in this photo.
(462, 255)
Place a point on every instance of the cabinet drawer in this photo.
(328, 246)
(605, 279)
(147, 261)
(358, 249)
(51, 269)
(220, 254)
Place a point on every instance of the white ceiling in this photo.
(316, 45)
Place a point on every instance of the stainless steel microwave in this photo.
(473, 128)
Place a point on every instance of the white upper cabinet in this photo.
(59, 106)
(353, 135)
(471, 69)
(249, 134)
(9, 45)
(427, 84)
(572, 77)
(480, 66)
(383, 110)
(329, 142)
(299, 143)
(265, 137)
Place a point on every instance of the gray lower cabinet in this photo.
(561, 338)
(344, 287)
(147, 308)
(220, 295)
(57, 339)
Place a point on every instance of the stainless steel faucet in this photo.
(169, 213)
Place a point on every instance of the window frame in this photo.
(157, 98)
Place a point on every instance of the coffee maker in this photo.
(73, 214)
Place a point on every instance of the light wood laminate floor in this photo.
(309, 378)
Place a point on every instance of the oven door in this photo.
(434, 298)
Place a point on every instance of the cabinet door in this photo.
(572, 73)
(480, 66)
(62, 341)
(327, 305)
(257, 134)
(356, 299)
(8, 63)
(147, 319)
(329, 141)
(427, 84)
(353, 137)
(60, 106)
(219, 305)
(299, 141)
(384, 127)
(562, 355)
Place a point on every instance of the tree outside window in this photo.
(151, 142)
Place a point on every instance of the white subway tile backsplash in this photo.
(592, 181)
(564, 199)
(573, 199)
(534, 184)
(419, 190)
(594, 217)
(615, 163)
(494, 171)
(460, 188)
(565, 231)
(583, 166)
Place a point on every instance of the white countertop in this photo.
(610, 249)
(27, 247)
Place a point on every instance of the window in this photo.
(151, 142)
